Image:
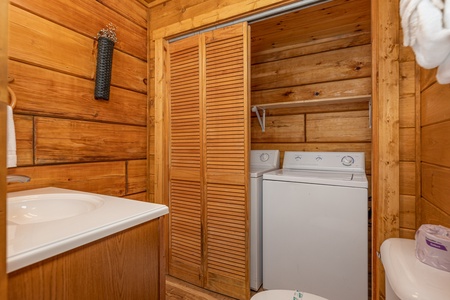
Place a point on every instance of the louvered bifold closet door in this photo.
(226, 138)
(185, 178)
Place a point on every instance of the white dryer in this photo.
(315, 225)
(261, 161)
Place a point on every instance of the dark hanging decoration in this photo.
(106, 39)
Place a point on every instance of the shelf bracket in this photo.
(262, 122)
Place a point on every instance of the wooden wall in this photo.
(320, 52)
(409, 139)
(3, 102)
(434, 205)
(65, 137)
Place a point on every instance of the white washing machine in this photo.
(315, 225)
(261, 161)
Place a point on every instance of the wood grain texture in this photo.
(125, 106)
(88, 17)
(121, 266)
(3, 163)
(386, 94)
(56, 140)
(431, 214)
(177, 16)
(52, 59)
(436, 186)
(338, 127)
(209, 145)
(23, 125)
(136, 176)
(107, 178)
(280, 129)
(37, 41)
(435, 139)
(334, 65)
(434, 104)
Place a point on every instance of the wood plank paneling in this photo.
(121, 266)
(326, 66)
(176, 16)
(333, 89)
(435, 139)
(407, 178)
(338, 127)
(37, 41)
(136, 176)
(408, 110)
(59, 141)
(408, 212)
(434, 104)
(132, 10)
(316, 45)
(57, 97)
(24, 139)
(280, 129)
(333, 20)
(3, 164)
(408, 144)
(99, 177)
(88, 17)
(431, 214)
(436, 186)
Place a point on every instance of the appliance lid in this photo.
(258, 171)
(346, 179)
(409, 277)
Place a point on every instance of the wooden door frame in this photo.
(3, 102)
(385, 133)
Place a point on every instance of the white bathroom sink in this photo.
(48, 221)
(39, 208)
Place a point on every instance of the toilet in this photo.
(284, 295)
(409, 278)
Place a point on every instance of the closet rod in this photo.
(258, 17)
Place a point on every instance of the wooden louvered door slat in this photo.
(208, 155)
(226, 141)
(185, 183)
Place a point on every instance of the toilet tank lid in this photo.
(409, 277)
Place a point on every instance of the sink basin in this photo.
(39, 208)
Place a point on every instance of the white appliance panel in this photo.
(315, 239)
(261, 161)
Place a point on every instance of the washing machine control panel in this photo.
(265, 158)
(348, 160)
(339, 161)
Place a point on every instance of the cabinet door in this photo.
(185, 162)
(226, 113)
(208, 160)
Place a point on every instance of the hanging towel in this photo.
(443, 72)
(11, 157)
(424, 30)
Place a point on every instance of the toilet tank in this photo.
(408, 278)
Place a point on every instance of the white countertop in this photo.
(31, 243)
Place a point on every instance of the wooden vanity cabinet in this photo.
(125, 265)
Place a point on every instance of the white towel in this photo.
(11, 158)
(443, 72)
(423, 26)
